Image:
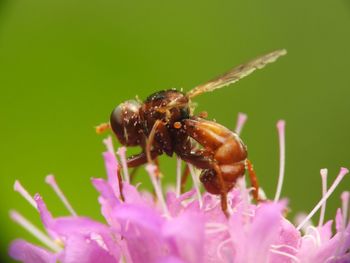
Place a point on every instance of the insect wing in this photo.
(237, 73)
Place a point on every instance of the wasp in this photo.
(165, 123)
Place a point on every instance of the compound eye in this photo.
(125, 122)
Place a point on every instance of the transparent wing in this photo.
(237, 73)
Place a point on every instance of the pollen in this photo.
(102, 128)
(177, 125)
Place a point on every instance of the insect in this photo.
(166, 124)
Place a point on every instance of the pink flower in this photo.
(188, 227)
(70, 239)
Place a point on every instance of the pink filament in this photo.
(122, 154)
(242, 118)
(281, 135)
(178, 176)
(22, 221)
(324, 173)
(109, 145)
(342, 173)
(50, 180)
(196, 184)
(151, 169)
(24, 193)
(345, 206)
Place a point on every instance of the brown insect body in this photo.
(167, 138)
(225, 152)
(222, 147)
(222, 157)
(164, 123)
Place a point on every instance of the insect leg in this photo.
(150, 140)
(253, 180)
(223, 190)
(205, 162)
(120, 183)
(200, 158)
(199, 161)
(139, 159)
(185, 174)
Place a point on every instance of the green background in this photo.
(64, 65)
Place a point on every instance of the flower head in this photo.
(183, 227)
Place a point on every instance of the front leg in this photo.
(140, 159)
(158, 138)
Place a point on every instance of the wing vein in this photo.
(237, 73)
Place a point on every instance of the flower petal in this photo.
(26, 252)
(255, 242)
(140, 228)
(68, 228)
(326, 231)
(286, 244)
(170, 259)
(85, 250)
(112, 168)
(339, 220)
(186, 236)
(174, 203)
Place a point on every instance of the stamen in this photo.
(122, 154)
(299, 218)
(178, 176)
(215, 231)
(24, 193)
(313, 239)
(212, 205)
(109, 145)
(242, 118)
(214, 228)
(99, 240)
(151, 169)
(125, 251)
(241, 183)
(330, 259)
(50, 180)
(345, 203)
(196, 185)
(317, 234)
(262, 194)
(294, 258)
(342, 173)
(284, 246)
(281, 136)
(345, 206)
(215, 225)
(41, 236)
(220, 247)
(324, 173)
(249, 213)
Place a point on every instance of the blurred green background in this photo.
(64, 65)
